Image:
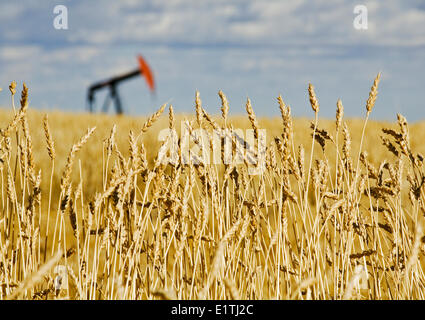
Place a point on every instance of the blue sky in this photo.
(255, 49)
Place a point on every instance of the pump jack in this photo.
(112, 84)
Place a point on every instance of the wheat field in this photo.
(90, 209)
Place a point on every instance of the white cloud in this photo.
(79, 54)
(19, 52)
(10, 11)
(265, 22)
(35, 53)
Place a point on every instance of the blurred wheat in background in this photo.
(338, 212)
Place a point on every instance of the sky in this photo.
(255, 49)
